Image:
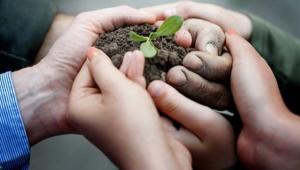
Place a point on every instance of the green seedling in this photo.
(169, 27)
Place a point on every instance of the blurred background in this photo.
(73, 152)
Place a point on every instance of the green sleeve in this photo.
(282, 52)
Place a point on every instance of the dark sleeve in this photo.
(23, 26)
(282, 52)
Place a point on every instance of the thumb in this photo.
(105, 74)
(191, 115)
(253, 84)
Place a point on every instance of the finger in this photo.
(191, 115)
(84, 78)
(159, 11)
(205, 11)
(126, 62)
(114, 17)
(136, 68)
(183, 38)
(188, 139)
(253, 84)
(105, 74)
(206, 36)
(210, 67)
(199, 89)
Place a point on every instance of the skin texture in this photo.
(97, 90)
(202, 128)
(269, 139)
(206, 71)
(224, 18)
(43, 100)
(270, 135)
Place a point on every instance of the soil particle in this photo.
(116, 43)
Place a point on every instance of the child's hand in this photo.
(118, 115)
(208, 135)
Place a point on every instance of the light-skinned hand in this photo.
(208, 135)
(43, 90)
(115, 112)
(270, 137)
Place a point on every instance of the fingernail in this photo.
(212, 49)
(192, 62)
(156, 89)
(92, 52)
(176, 77)
(231, 31)
(170, 12)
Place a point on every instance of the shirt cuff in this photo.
(14, 144)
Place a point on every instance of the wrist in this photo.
(34, 95)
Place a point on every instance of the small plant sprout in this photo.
(169, 27)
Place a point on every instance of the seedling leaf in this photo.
(148, 49)
(136, 37)
(170, 26)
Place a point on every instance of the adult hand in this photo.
(204, 75)
(270, 137)
(115, 112)
(208, 135)
(43, 90)
(225, 18)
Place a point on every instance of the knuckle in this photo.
(217, 28)
(217, 36)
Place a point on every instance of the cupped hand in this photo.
(225, 18)
(270, 137)
(204, 76)
(43, 90)
(208, 135)
(115, 112)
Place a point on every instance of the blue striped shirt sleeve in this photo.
(14, 144)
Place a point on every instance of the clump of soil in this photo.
(116, 43)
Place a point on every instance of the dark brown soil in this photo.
(116, 43)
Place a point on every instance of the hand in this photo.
(225, 18)
(60, 24)
(204, 75)
(270, 137)
(118, 115)
(208, 135)
(43, 90)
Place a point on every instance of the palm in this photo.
(67, 55)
